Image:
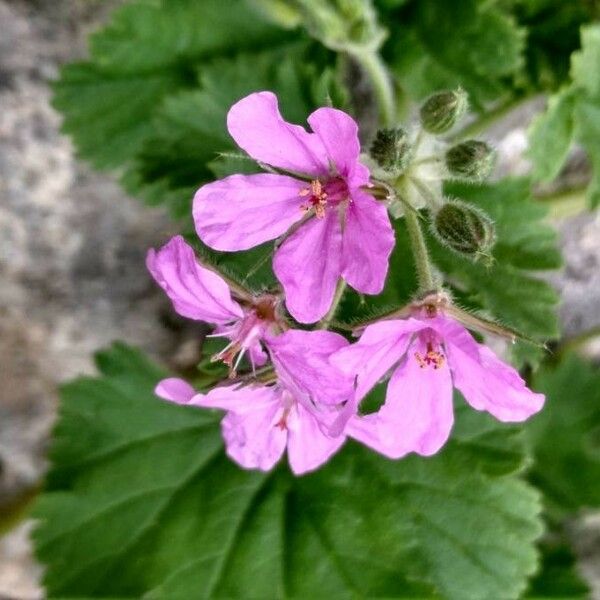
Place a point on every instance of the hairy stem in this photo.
(425, 276)
(382, 85)
(325, 322)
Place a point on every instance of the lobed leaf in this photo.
(141, 501)
(564, 436)
(551, 135)
(149, 50)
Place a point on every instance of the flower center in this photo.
(320, 195)
(288, 401)
(246, 332)
(431, 358)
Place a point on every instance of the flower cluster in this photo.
(303, 389)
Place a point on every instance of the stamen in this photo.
(227, 355)
(317, 198)
(432, 358)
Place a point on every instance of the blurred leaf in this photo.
(558, 577)
(149, 50)
(585, 63)
(574, 111)
(587, 116)
(552, 35)
(443, 45)
(551, 134)
(142, 501)
(565, 435)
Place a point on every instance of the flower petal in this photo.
(368, 243)
(196, 292)
(381, 346)
(258, 357)
(417, 415)
(304, 357)
(308, 265)
(338, 133)
(308, 446)
(243, 211)
(253, 439)
(175, 390)
(490, 384)
(257, 126)
(366, 430)
(239, 399)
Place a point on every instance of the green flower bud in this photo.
(472, 160)
(464, 229)
(391, 149)
(441, 111)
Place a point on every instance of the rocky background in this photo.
(72, 275)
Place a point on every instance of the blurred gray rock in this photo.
(72, 250)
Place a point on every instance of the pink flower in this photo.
(348, 233)
(198, 293)
(428, 356)
(263, 420)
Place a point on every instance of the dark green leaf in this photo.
(565, 435)
(142, 501)
(468, 43)
(148, 51)
(551, 134)
(558, 577)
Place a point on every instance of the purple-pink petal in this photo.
(368, 241)
(243, 211)
(338, 133)
(304, 358)
(380, 347)
(308, 447)
(175, 390)
(253, 439)
(308, 265)
(491, 385)
(257, 126)
(195, 291)
(240, 399)
(418, 415)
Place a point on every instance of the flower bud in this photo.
(465, 229)
(391, 149)
(441, 111)
(472, 160)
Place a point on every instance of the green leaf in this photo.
(586, 62)
(469, 43)
(585, 70)
(565, 435)
(149, 50)
(142, 501)
(551, 134)
(507, 289)
(558, 577)
(190, 131)
(587, 116)
(552, 35)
